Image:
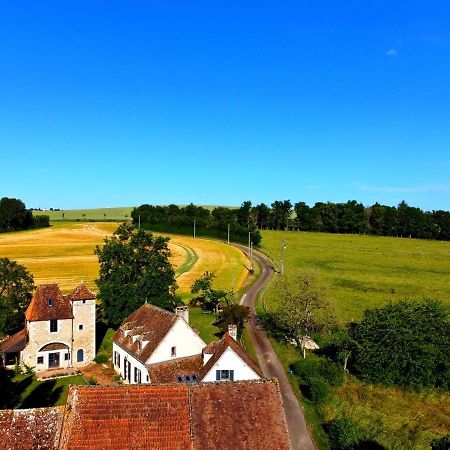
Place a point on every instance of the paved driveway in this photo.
(269, 363)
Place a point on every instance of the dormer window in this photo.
(50, 302)
(173, 352)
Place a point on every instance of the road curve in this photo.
(269, 363)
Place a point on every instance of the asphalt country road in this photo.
(269, 363)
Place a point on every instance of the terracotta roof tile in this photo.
(240, 415)
(218, 348)
(39, 309)
(109, 417)
(169, 371)
(150, 321)
(14, 343)
(81, 292)
(30, 428)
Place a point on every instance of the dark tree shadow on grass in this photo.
(45, 394)
(100, 330)
(11, 389)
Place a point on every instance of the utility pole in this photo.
(139, 221)
(283, 248)
(251, 255)
(249, 240)
(194, 228)
(228, 238)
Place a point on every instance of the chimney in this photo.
(232, 331)
(183, 312)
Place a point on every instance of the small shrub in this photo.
(101, 359)
(344, 433)
(28, 369)
(442, 443)
(309, 368)
(17, 369)
(317, 390)
(92, 380)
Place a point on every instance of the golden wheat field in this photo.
(64, 254)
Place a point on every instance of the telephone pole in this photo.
(283, 248)
(194, 228)
(139, 221)
(251, 255)
(228, 236)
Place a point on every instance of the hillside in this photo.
(360, 271)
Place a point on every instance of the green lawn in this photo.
(203, 323)
(24, 391)
(358, 272)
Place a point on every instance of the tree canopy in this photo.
(302, 308)
(134, 269)
(405, 343)
(206, 297)
(16, 286)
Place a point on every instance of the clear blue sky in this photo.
(122, 103)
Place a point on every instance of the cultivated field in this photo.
(362, 271)
(358, 272)
(64, 254)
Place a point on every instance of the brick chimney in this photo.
(183, 312)
(232, 331)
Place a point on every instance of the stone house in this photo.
(156, 346)
(59, 330)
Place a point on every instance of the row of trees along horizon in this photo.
(351, 217)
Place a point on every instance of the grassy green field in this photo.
(358, 272)
(361, 271)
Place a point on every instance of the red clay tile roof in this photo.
(205, 416)
(30, 428)
(218, 348)
(81, 292)
(169, 371)
(239, 415)
(150, 321)
(38, 309)
(119, 417)
(14, 343)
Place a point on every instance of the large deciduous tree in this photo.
(134, 269)
(16, 286)
(14, 215)
(302, 308)
(405, 343)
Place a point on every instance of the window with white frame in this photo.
(224, 375)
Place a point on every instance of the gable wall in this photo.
(231, 361)
(183, 338)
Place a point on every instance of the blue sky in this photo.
(122, 103)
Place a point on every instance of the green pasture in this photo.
(359, 271)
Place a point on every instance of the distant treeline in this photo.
(353, 217)
(14, 216)
(175, 219)
(350, 217)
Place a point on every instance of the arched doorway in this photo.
(80, 355)
(52, 355)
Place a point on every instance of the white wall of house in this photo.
(182, 338)
(231, 361)
(134, 363)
